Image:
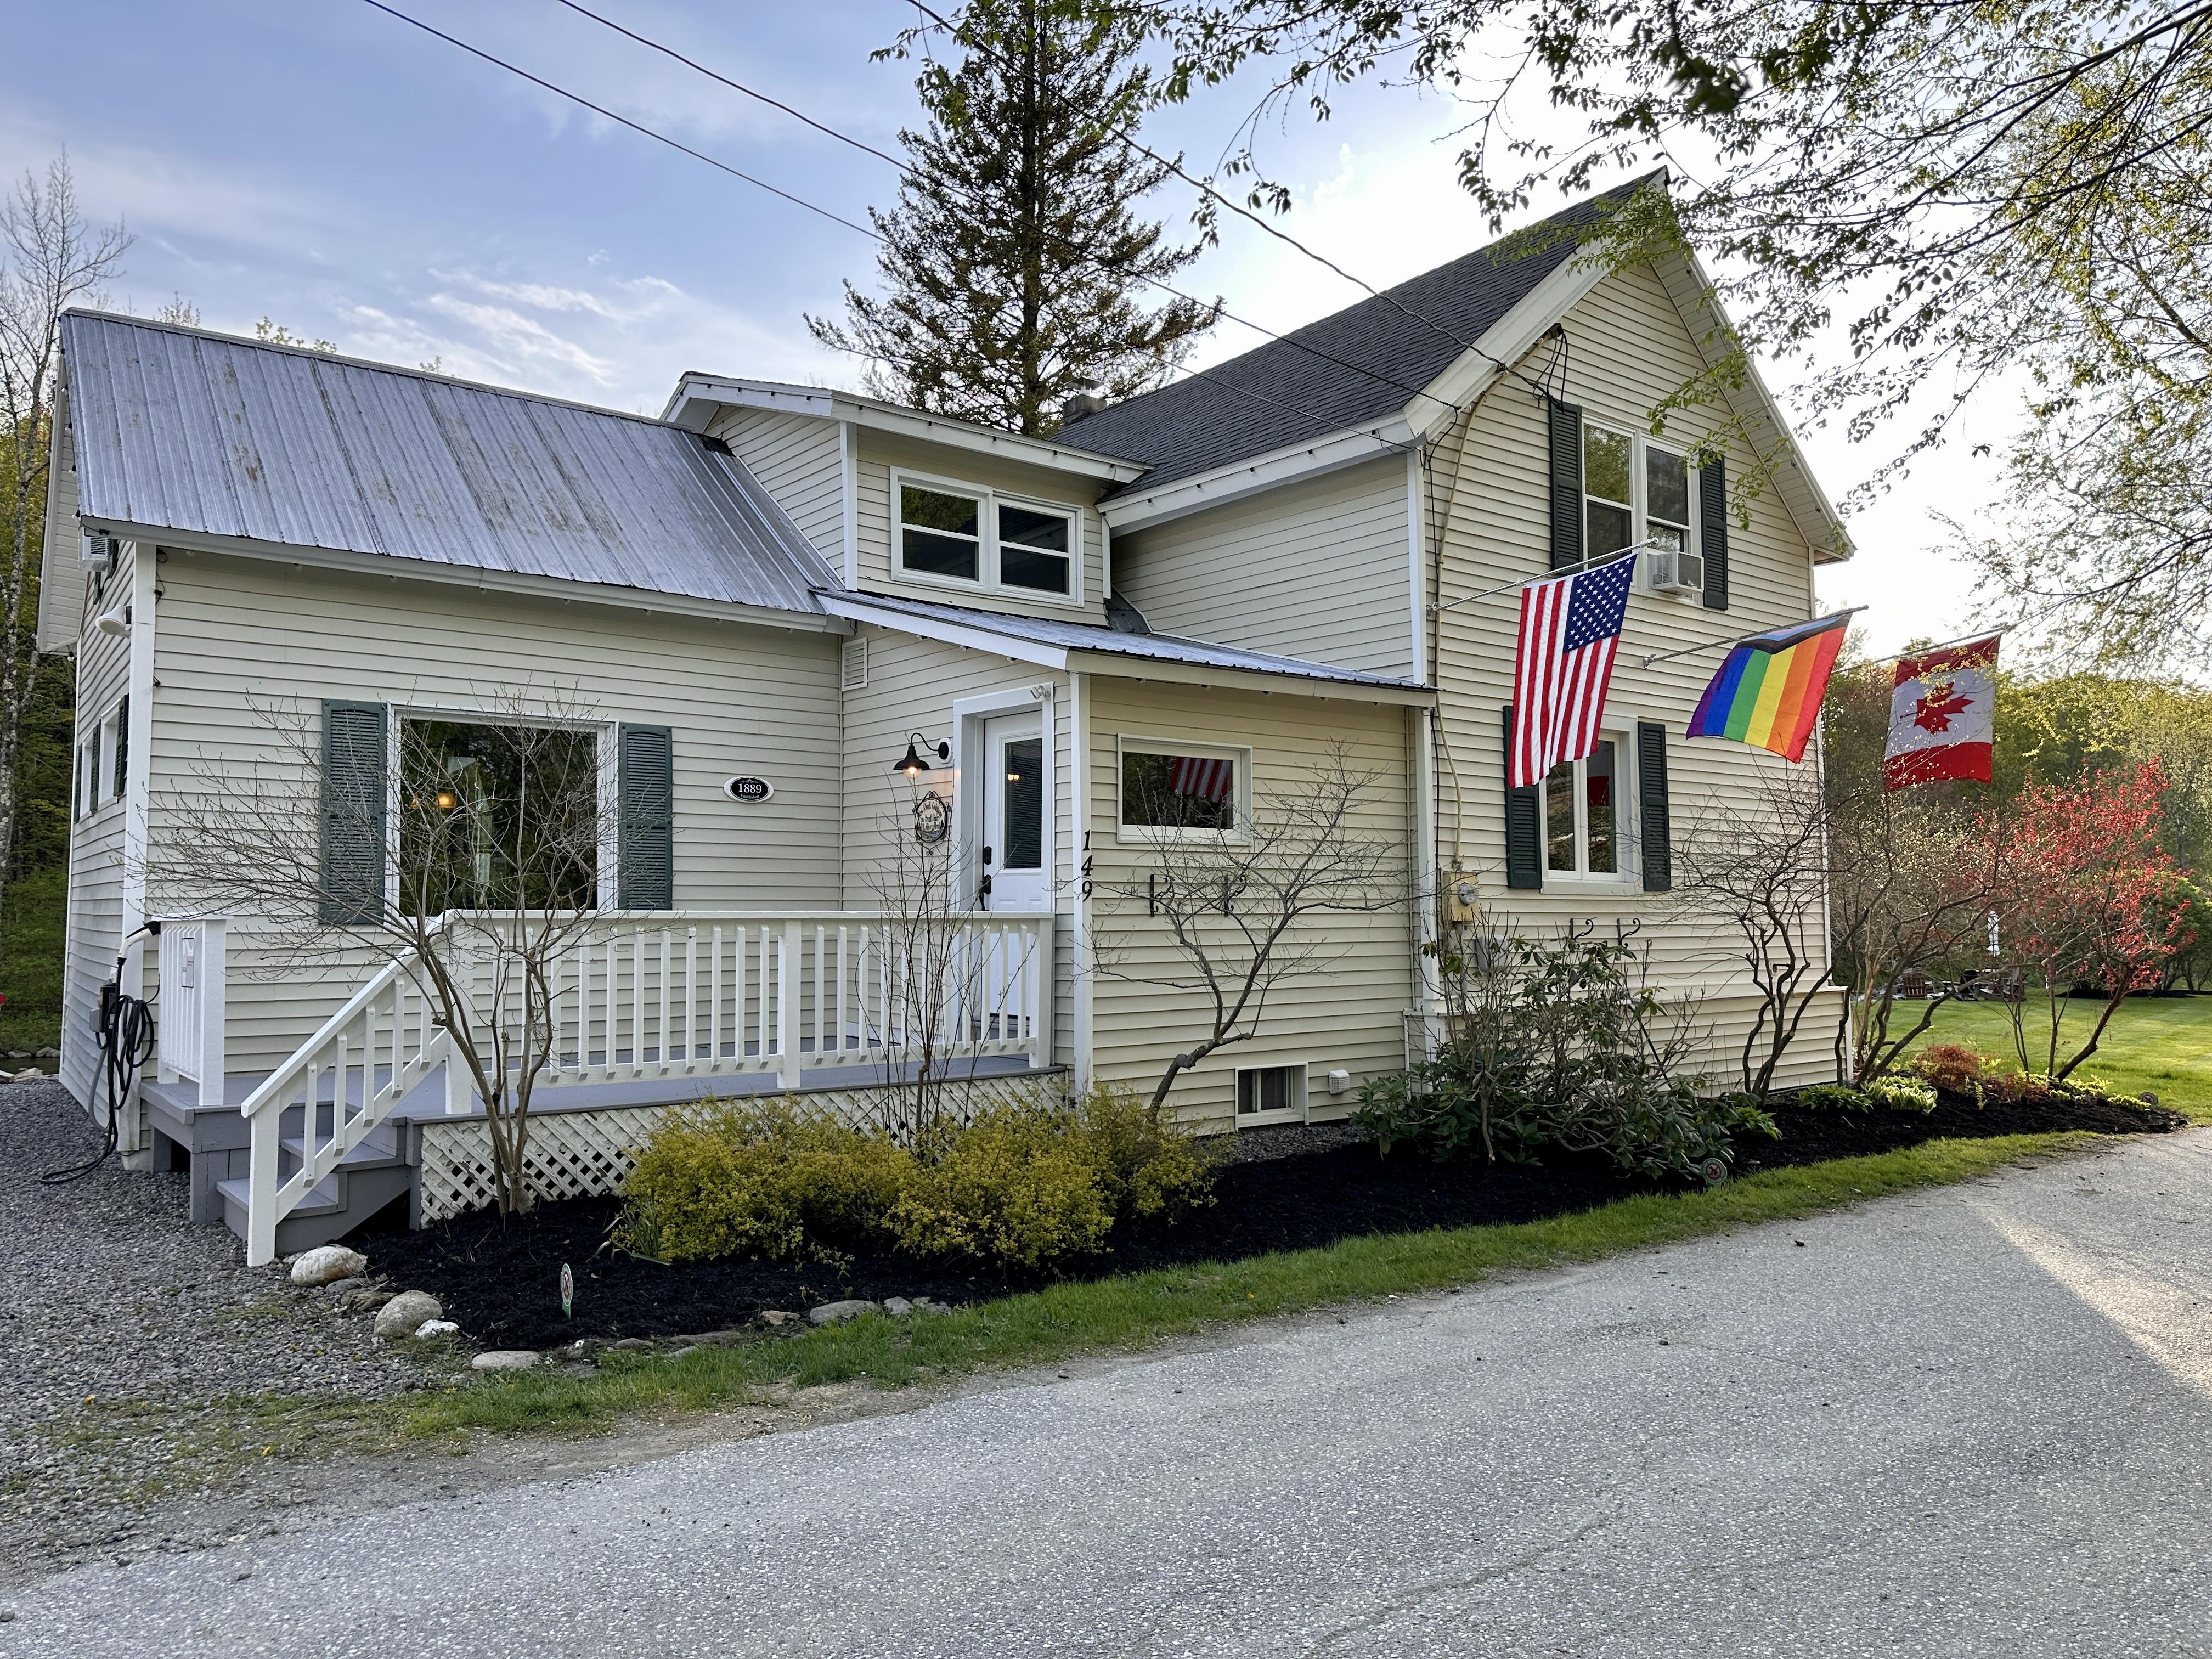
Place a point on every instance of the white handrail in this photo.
(644, 996)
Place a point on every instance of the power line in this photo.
(1065, 244)
(875, 236)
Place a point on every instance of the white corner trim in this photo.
(1416, 572)
(849, 462)
(1248, 477)
(1079, 826)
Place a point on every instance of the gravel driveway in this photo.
(130, 1342)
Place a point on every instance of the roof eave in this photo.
(1135, 510)
(697, 395)
(398, 567)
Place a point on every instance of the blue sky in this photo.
(325, 165)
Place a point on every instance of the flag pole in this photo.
(1940, 645)
(1603, 560)
(1715, 645)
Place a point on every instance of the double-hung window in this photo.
(1636, 491)
(950, 532)
(1585, 818)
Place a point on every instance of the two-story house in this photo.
(798, 625)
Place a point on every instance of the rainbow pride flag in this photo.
(1768, 692)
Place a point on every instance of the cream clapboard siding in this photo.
(1350, 1015)
(882, 452)
(799, 461)
(63, 579)
(913, 684)
(244, 644)
(1320, 569)
(1630, 350)
(96, 854)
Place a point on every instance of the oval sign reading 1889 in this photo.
(749, 789)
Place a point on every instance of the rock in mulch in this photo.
(328, 1264)
(406, 1312)
(837, 1313)
(430, 1330)
(899, 1307)
(505, 1359)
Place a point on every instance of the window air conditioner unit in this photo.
(1677, 573)
(94, 549)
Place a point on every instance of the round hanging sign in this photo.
(749, 789)
(933, 819)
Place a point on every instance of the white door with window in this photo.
(1010, 852)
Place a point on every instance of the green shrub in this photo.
(1021, 1185)
(1900, 1094)
(1146, 1165)
(1829, 1097)
(759, 1179)
(1559, 1046)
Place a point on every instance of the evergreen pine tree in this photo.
(1015, 263)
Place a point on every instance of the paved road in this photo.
(1974, 1421)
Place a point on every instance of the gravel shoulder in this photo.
(143, 1358)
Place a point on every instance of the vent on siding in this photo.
(852, 665)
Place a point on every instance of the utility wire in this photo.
(906, 169)
(1206, 188)
(874, 235)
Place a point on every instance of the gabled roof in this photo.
(185, 430)
(1298, 388)
(1056, 636)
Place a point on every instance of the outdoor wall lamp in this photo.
(911, 764)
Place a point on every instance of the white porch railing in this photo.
(190, 955)
(666, 996)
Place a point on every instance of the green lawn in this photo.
(1137, 1311)
(32, 926)
(2159, 1043)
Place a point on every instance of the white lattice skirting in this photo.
(590, 1153)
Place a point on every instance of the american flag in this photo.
(1570, 635)
(1213, 781)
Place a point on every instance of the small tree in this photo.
(1016, 261)
(502, 828)
(1757, 865)
(1230, 920)
(2094, 897)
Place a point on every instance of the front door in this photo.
(1010, 857)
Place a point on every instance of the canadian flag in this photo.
(1942, 715)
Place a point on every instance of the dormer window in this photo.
(949, 532)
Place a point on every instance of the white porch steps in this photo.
(369, 1176)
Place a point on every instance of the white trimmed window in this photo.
(1173, 791)
(1586, 823)
(975, 538)
(1271, 1094)
(1636, 491)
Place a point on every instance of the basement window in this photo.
(1270, 1093)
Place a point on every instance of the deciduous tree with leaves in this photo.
(1016, 268)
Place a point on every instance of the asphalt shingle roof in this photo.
(1297, 388)
(178, 429)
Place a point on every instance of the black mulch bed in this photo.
(500, 1279)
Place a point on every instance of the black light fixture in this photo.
(911, 764)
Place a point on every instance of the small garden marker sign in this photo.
(567, 1292)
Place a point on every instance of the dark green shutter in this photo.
(645, 872)
(354, 769)
(1651, 799)
(1566, 423)
(122, 745)
(1524, 824)
(1713, 530)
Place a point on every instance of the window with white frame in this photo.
(1270, 1091)
(87, 774)
(958, 533)
(1173, 789)
(1636, 491)
(1585, 815)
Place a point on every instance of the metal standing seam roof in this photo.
(182, 430)
(1088, 636)
(1297, 388)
